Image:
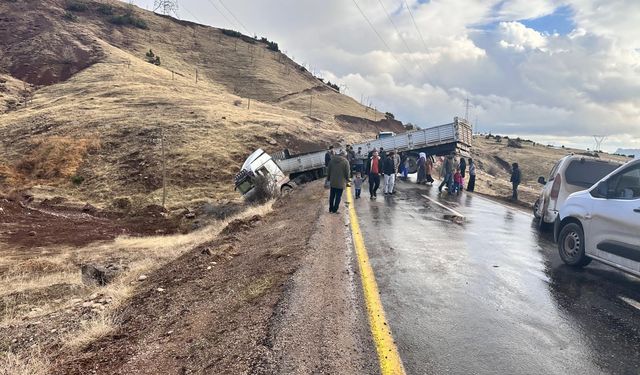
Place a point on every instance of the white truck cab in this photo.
(259, 163)
(603, 222)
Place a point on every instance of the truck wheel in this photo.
(571, 246)
(413, 163)
(286, 189)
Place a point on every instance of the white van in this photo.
(570, 174)
(603, 222)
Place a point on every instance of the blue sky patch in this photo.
(559, 21)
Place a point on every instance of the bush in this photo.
(76, 6)
(77, 180)
(264, 189)
(231, 33)
(152, 58)
(273, 46)
(128, 19)
(389, 116)
(514, 143)
(105, 9)
(70, 16)
(333, 86)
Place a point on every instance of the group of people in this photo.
(355, 166)
(453, 173)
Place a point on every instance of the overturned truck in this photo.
(286, 170)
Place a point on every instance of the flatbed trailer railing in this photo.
(458, 134)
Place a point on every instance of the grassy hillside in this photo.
(98, 110)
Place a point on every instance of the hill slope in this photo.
(98, 109)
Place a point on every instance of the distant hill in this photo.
(628, 151)
(85, 110)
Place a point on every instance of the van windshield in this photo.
(585, 173)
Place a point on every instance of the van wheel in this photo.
(571, 246)
(536, 207)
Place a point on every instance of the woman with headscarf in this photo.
(429, 169)
(422, 167)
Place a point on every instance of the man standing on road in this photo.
(360, 160)
(388, 168)
(472, 176)
(515, 180)
(327, 156)
(396, 164)
(338, 173)
(374, 174)
(447, 173)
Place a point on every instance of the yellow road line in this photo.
(388, 356)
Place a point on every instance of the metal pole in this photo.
(164, 171)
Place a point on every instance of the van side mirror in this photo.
(541, 181)
(603, 189)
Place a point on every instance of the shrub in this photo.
(70, 16)
(389, 116)
(105, 9)
(334, 86)
(77, 180)
(231, 33)
(514, 143)
(76, 6)
(128, 19)
(264, 189)
(273, 46)
(152, 58)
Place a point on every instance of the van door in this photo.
(615, 225)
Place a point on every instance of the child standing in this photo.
(357, 183)
(458, 181)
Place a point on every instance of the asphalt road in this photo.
(491, 295)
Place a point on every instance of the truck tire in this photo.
(287, 188)
(413, 163)
(571, 245)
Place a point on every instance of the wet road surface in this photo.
(491, 295)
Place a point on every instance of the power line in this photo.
(394, 26)
(223, 15)
(380, 36)
(235, 18)
(424, 44)
(191, 14)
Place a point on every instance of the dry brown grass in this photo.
(128, 102)
(29, 363)
(57, 157)
(89, 332)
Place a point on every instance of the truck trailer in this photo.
(286, 170)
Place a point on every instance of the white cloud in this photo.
(519, 37)
(522, 81)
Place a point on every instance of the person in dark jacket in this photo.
(516, 177)
(389, 170)
(447, 174)
(327, 156)
(338, 174)
(463, 167)
(472, 176)
(375, 170)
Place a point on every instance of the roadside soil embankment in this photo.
(270, 294)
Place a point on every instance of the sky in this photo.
(555, 71)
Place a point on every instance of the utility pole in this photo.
(249, 104)
(310, 103)
(466, 112)
(196, 75)
(167, 7)
(164, 170)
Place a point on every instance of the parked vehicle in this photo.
(385, 135)
(570, 174)
(286, 170)
(603, 222)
